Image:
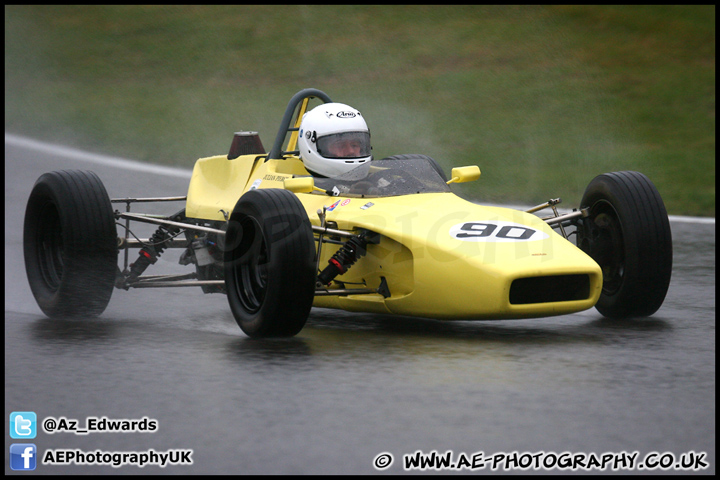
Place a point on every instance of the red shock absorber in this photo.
(343, 259)
(148, 255)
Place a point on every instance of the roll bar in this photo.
(303, 96)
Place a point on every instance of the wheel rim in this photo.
(50, 248)
(251, 273)
(604, 243)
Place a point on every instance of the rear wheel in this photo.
(628, 234)
(270, 263)
(70, 244)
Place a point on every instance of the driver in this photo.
(333, 140)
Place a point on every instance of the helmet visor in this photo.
(344, 145)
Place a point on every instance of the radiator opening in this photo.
(552, 288)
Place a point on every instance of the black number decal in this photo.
(478, 230)
(505, 232)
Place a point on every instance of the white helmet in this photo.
(333, 139)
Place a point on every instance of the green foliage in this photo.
(542, 98)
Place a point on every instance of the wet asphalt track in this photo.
(352, 386)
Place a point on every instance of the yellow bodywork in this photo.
(429, 270)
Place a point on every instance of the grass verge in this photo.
(542, 98)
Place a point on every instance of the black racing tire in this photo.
(628, 234)
(415, 156)
(269, 263)
(70, 244)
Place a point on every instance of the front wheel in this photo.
(70, 244)
(628, 234)
(270, 263)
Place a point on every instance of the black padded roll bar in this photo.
(276, 152)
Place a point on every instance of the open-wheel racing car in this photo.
(388, 237)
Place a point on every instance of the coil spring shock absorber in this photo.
(343, 259)
(148, 255)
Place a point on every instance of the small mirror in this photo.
(464, 174)
(299, 185)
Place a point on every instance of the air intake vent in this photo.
(554, 288)
(245, 143)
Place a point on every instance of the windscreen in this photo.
(387, 178)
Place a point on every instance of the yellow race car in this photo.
(387, 237)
